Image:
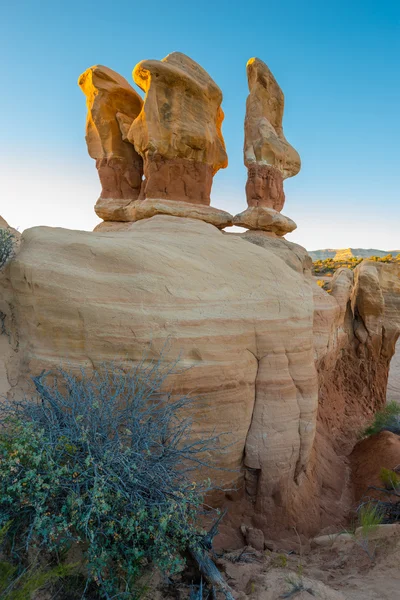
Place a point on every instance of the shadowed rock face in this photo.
(178, 132)
(120, 168)
(393, 391)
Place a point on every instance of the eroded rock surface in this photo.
(240, 318)
(393, 389)
(120, 168)
(267, 154)
(178, 132)
(368, 458)
(260, 338)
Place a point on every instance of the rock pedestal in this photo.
(264, 187)
(268, 156)
(178, 132)
(120, 167)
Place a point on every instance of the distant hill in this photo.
(346, 253)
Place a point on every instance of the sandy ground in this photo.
(338, 572)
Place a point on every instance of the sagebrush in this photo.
(106, 461)
(7, 244)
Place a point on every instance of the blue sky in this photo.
(337, 63)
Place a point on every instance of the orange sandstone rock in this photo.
(267, 154)
(178, 132)
(263, 218)
(120, 168)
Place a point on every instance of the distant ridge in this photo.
(346, 253)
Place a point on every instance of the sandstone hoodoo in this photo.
(268, 156)
(173, 139)
(109, 97)
(178, 132)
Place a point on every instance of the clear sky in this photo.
(337, 62)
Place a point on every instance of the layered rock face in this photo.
(260, 338)
(178, 132)
(86, 298)
(268, 156)
(393, 389)
(355, 329)
(109, 97)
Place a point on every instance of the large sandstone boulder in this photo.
(178, 132)
(120, 168)
(262, 340)
(237, 315)
(368, 458)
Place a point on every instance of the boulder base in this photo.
(264, 219)
(145, 209)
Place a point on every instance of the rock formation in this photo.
(291, 372)
(393, 389)
(94, 297)
(261, 339)
(178, 132)
(109, 97)
(268, 156)
(368, 458)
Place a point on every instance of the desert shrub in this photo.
(7, 241)
(105, 461)
(386, 419)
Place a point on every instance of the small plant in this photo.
(196, 592)
(21, 583)
(370, 517)
(386, 419)
(104, 461)
(30, 581)
(390, 479)
(7, 244)
(281, 560)
(296, 586)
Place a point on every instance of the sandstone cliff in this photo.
(393, 389)
(290, 371)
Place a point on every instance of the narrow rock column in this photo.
(268, 156)
(110, 99)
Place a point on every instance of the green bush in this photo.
(7, 241)
(105, 461)
(386, 419)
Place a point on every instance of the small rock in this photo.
(255, 538)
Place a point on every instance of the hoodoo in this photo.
(268, 156)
